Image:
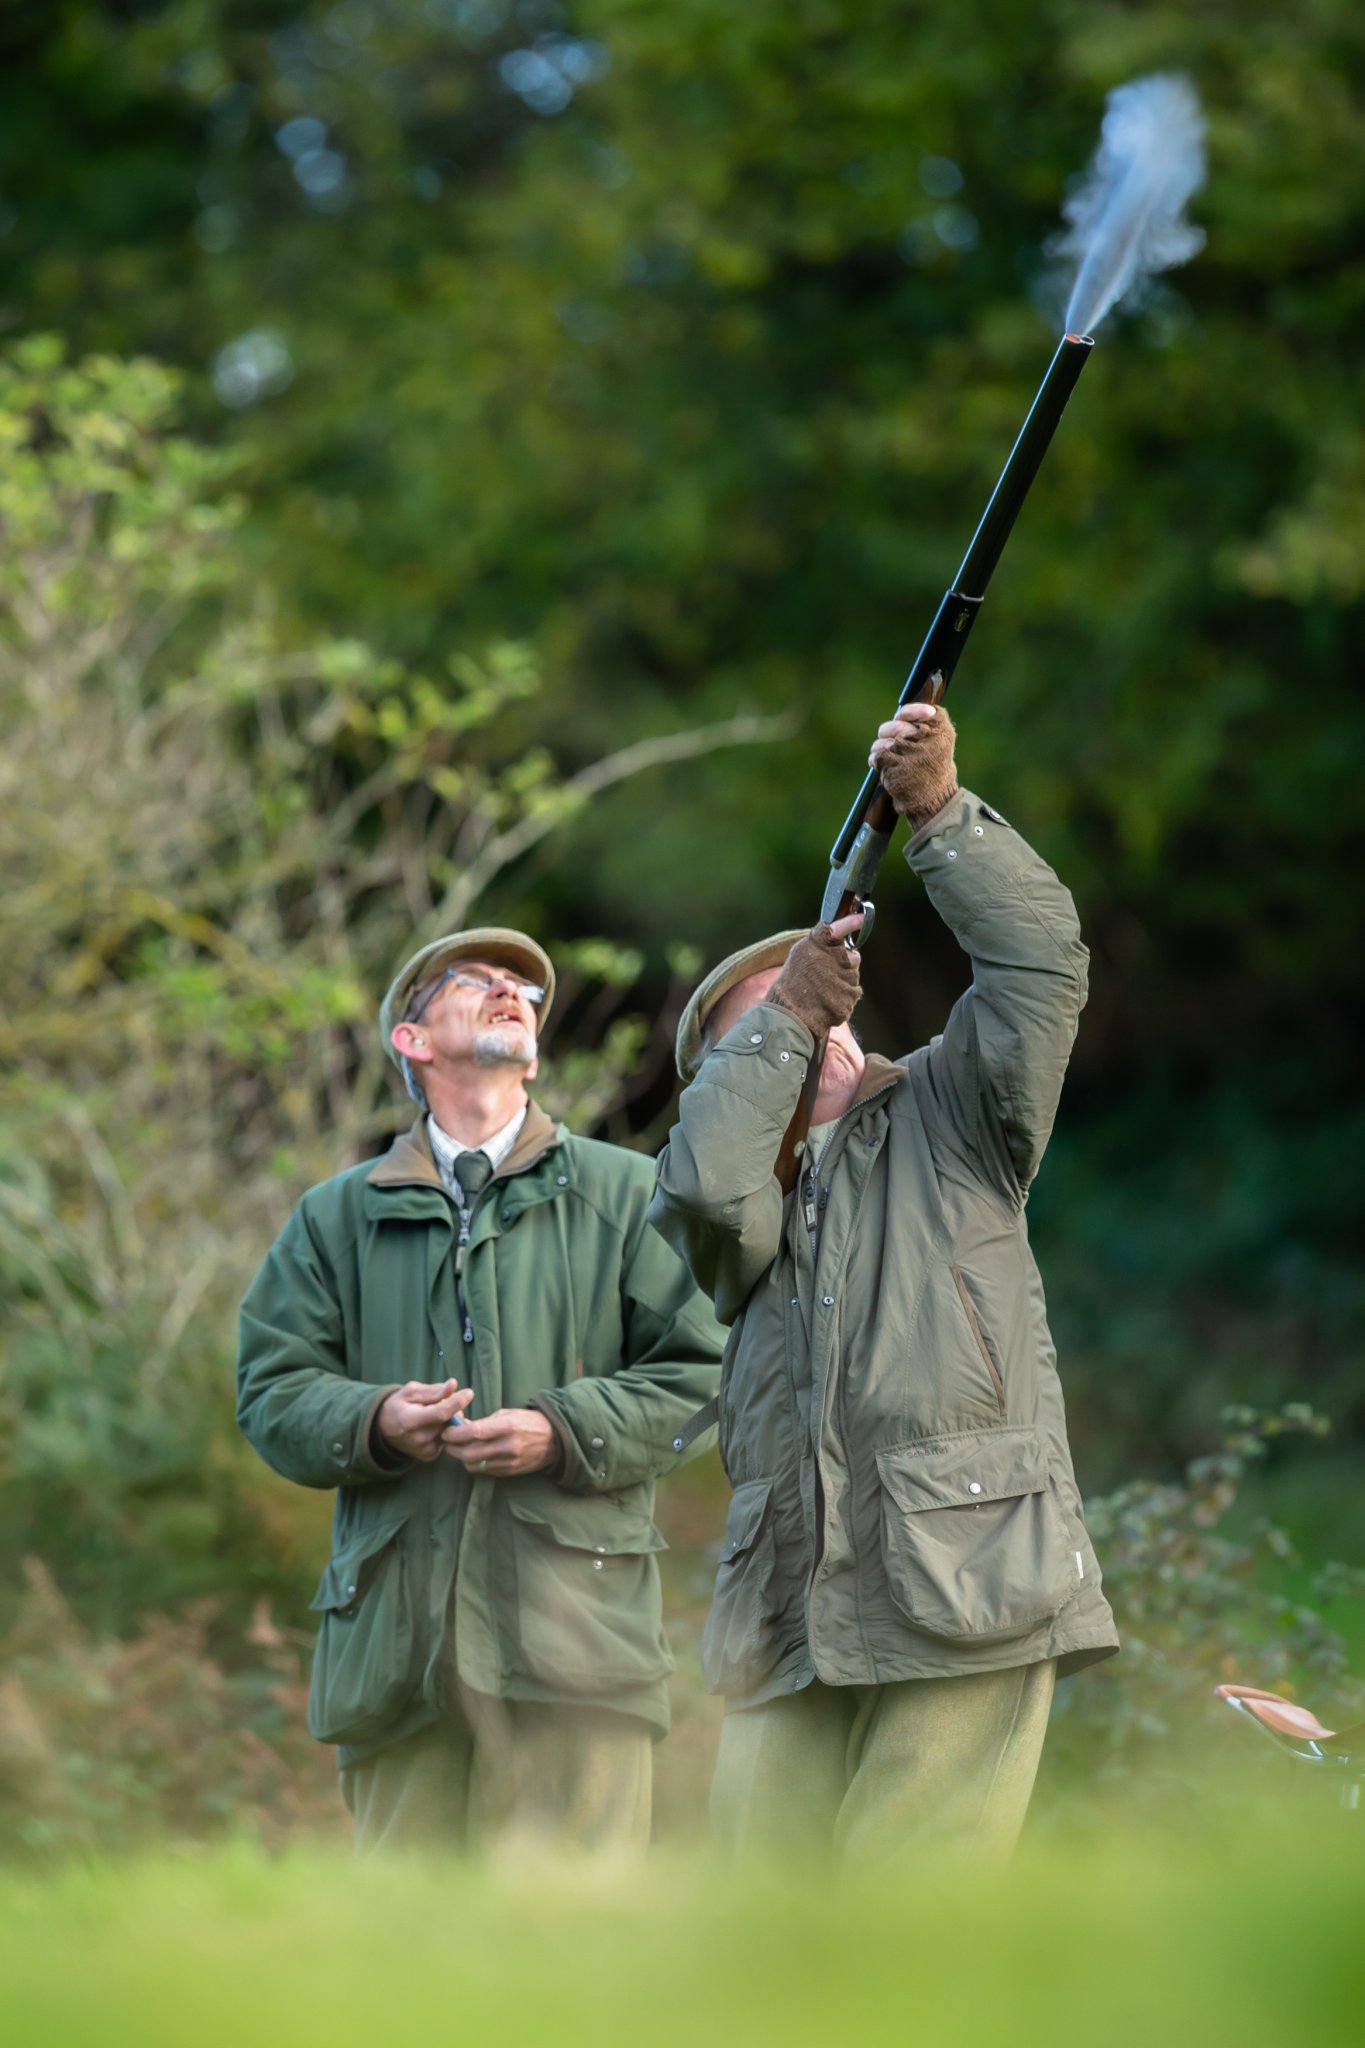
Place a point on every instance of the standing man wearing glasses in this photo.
(481, 1345)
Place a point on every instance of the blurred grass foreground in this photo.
(1226, 1941)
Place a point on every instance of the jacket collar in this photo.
(408, 1161)
(879, 1074)
(537, 1136)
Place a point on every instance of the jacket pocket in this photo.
(739, 1626)
(589, 1613)
(368, 1657)
(973, 1540)
(974, 1325)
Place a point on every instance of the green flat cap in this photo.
(749, 960)
(494, 944)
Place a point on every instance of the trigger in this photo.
(864, 932)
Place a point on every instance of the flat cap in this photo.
(749, 960)
(494, 944)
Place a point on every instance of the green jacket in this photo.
(537, 1588)
(891, 1418)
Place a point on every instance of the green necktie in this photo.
(472, 1169)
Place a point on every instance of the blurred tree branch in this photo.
(216, 844)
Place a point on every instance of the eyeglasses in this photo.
(469, 977)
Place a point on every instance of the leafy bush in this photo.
(110, 1744)
(1199, 1602)
(217, 844)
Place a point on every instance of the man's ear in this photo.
(534, 1067)
(409, 1043)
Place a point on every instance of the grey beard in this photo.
(503, 1045)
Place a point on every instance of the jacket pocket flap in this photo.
(963, 1471)
(351, 1567)
(745, 1518)
(585, 1521)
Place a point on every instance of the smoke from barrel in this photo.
(1126, 222)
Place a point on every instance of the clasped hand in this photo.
(425, 1420)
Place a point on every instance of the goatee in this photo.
(504, 1045)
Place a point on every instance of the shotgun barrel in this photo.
(932, 669)
(866, 833)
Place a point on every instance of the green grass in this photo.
(1150, 1940)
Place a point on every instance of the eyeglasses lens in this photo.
(531, 990)
(533, 993)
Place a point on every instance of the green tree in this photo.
(217, 844)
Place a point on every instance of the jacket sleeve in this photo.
(717, 1200)
(995, 1075)
(617, 1429)
(296, 1404)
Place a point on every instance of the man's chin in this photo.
(839, 1075)
(504, 1048)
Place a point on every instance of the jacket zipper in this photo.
(814, 1193)
(463, 1229)
(461, 1247)
(812, 1204)
(989, 1363)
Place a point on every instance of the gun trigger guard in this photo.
(860, 938)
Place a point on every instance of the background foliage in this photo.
(463, 453)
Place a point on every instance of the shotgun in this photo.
(866, 833)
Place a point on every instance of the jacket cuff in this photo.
(563, 1440)
(586, 1465)
(959, 807)
(763, 1058)
(371, 1457)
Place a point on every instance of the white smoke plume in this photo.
(1126, 222)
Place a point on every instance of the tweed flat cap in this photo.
(749, 960)
(494, 944)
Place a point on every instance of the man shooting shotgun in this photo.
(905, 1571)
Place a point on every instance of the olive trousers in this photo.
(508, 1774)
(879, 1774)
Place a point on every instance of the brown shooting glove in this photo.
(819, 983)
(916, 768)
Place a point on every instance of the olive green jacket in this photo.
(538, 1588)
(891, 1418)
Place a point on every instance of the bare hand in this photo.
(913, 755)
(504, 1445)
(413, 1420)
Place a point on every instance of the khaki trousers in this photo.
(879, 1774)
(508, 1774)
